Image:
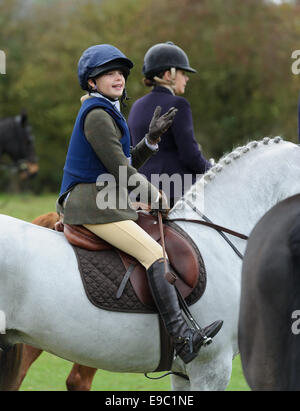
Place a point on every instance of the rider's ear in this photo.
(92, 84)
(167, 75)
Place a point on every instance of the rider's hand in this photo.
(160, 124)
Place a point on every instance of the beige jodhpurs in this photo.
(130, 238)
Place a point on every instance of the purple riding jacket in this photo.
(178, 150)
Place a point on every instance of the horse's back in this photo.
(270, 283)
(26, 245)
(12, 226)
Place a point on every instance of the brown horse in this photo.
(80, 377)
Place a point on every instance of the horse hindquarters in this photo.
(10, 361)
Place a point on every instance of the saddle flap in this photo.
(149, 223)
(181, 253)
(182, 256)
(139, 282)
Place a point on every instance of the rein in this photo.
(210, 224)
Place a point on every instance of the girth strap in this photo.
(124, 280)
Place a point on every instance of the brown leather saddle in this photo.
(185, 261)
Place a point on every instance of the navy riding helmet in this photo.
(99, 59)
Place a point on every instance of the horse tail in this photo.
(10, 363)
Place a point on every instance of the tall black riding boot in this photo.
(187, 341)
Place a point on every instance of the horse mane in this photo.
(236, 154)
(226, 160)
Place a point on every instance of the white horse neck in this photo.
(245, 184)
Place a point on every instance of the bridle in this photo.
(207, 222)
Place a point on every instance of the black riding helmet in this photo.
(163, 56)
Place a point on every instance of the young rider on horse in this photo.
(100, 145)
(165, 69)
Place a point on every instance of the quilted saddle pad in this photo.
(102, 273)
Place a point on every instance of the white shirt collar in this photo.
(115, 103)
(169, 88)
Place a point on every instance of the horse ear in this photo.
(23, 116)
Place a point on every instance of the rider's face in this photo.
(111, 83)
(181, 80)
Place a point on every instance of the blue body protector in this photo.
(82, 164)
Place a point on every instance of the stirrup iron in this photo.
(207, 341)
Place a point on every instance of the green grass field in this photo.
(49, 373)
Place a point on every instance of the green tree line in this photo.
(244, 88)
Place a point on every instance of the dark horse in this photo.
(269, 326)
(16, 140)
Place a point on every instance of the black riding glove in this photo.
(159, 125)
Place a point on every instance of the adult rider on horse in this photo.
(100, 145)
(166, 68)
